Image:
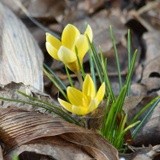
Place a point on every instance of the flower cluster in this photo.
(71, 50)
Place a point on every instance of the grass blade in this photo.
(57, 82)
(117, 58)
(97, 65)
(69, 77)
(129, 54)
(106, 78)
(152, 106)
(55, 108)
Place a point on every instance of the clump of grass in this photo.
(115, 124)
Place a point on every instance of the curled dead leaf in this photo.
(21, 128)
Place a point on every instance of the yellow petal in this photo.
(82, 46)
(75, 96)
(89, 32)
(53, 41)
(88, 86)
(78, 110)
(65, 105)
(93, 105)
(74, 67)
(100, 93)
(69, 35)
(66, 55)
(52, 51)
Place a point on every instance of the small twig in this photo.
(148, 7)
(142, 21)
(137, 14)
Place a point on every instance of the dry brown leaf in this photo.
(131, 102)
(151, 72)
(152, 45)
(138, 89)
(21, 58)
(48, 9)
(54, 147)
(20, 127)
(90, 6)
(41, 9)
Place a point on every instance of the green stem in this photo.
(79, 76)
(93, 74)
(69, 77)
(56, 82)
(79, 63)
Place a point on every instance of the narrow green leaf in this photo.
(56, 109)
(129, 54)
(79, 63)
(69, 76)
(152, 106)
(129, 48)
(117, 58)
(92, 70)
(94, 54)
(106, 78)
(57, 79)
(56, 82)
(131, 126)
(130, 72)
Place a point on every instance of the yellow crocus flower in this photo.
(65, 49)
(85, 101)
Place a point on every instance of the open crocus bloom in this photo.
(65, 50)
(85, 101)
